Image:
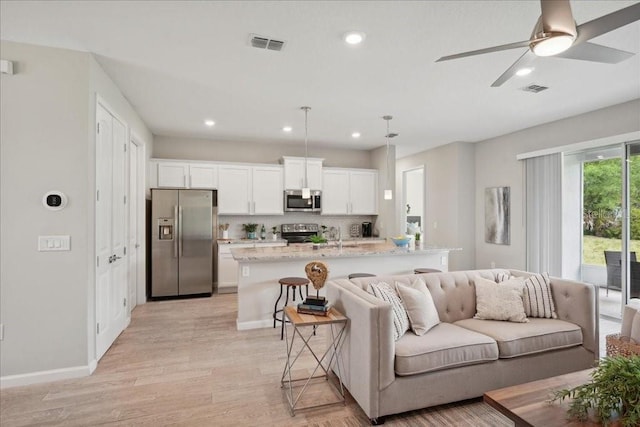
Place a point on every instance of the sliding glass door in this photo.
(630, 267)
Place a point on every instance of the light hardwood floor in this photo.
(182, 362)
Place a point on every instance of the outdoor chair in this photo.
(614, 269)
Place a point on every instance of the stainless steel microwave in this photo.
(293, 201)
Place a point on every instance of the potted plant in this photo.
(612, 391)
(317, 240)
(250, 229)
(274, 232)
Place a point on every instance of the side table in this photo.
(304, 326)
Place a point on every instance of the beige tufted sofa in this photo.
(462, 357)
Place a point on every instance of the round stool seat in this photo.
(426, 270)
(293, 281)
(354, 275)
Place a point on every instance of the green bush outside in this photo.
(593, 248)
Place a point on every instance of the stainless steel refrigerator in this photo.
(183, 229)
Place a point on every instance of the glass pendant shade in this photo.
(306, 193)
(388, 195)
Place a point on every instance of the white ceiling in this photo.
(181, 62)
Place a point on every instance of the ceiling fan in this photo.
(556, 34)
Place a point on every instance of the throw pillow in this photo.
(538, 300)
(501, 277)
(420, 308)
(500, 301)
(384, 292)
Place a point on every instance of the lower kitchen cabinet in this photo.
(228, 267)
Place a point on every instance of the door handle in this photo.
(115, 257)
(175, 235)
(180, 242)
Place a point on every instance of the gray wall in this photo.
(450, 201)
(203, 149)
(496, 166)
(47, 139)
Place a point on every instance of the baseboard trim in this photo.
(45, 376)
(254, 324)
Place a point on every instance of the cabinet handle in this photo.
(190, 180)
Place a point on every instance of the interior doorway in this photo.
(413, 217)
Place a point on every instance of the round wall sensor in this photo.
(54, 200)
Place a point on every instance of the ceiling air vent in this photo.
(534, 88)
(261, 42)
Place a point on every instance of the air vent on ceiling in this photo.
(534, 88)
(391, 135)
(262, 42)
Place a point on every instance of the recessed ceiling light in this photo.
(600, 157)
(287, 129)
(354, 37)
(209, 123)
(355, 135)
(524, 71)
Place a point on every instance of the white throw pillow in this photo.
(500, 301)
(420, 308)
(384, 292)
(538, 300)
(501, 277)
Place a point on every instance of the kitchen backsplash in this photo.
(344, 222)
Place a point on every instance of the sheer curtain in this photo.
(544, 214)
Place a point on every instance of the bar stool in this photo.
(288, 282)
(426, 270)
(354, 275)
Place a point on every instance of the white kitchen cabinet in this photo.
(267, 190)
(362, 192)
(349, 192)
(203, 175)
(228, 267)
(234, 192)
(294, 173)
(172, 175)
(187, 175)
(250, 190)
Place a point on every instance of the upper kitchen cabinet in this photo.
(294, 173)
(250, 190)
(349, 192)
(187, 175)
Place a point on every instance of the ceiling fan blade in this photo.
(606, 23)
(596, 53)
(486, 50)
(525, 60)
(557, 17)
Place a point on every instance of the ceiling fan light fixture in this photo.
(552, 44)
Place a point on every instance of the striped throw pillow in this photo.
(537, 297)
(384, 292)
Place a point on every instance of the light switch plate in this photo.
(54, 243)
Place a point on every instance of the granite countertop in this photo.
(306, 251)
(250, 241)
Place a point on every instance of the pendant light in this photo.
(388, 193)
(306, 191)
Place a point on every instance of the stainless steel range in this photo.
(298, 233)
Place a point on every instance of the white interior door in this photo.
(111, 220)
(134, 226)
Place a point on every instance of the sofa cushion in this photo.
(420, 308)
(444, 346)
(500, 301)
(386, 293)
(519, 339)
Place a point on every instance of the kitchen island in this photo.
(260, 268)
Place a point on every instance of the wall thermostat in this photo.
(54, 200)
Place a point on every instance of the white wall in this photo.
(202, 149)
(450, 202)
(496, 166)
(47, 139)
